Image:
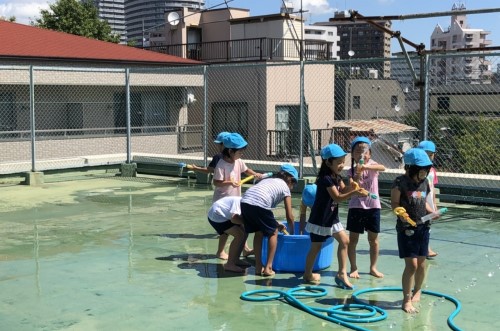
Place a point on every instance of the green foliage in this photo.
(478, 147)
(78, 18)
(10, 19)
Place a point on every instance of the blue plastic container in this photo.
(292, 250)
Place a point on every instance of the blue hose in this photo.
(340, 314)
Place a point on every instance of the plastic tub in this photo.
(292, 250)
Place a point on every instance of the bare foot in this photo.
(247, 253)
(408, 307)
(354, 274)
(343, 281)
(376, 273)
(312, 278)
(268, 272)
(243, 264)
(233, 268)
(416, 296)
(432, 253)
(259, 270)
(222, 256)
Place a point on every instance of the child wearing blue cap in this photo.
(364, 212)
(308, 197)
(215, 159)
(430, 148)
(324, 217)
(227, 176)
(227, 173)
(256, 209)
(410, 192)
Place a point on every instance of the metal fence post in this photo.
(205, 116)
(127, 109)
(32, 120)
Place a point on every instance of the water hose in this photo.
(342, 314)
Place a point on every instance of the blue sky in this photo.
(417, 31)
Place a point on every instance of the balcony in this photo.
(286, 143)
(257, 49)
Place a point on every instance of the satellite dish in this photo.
(350, 53)
(397, 108)
(173, 18)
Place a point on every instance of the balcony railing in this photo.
(256, 49)
(286, 143)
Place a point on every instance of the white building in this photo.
(450, 70)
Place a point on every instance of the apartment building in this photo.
(144, 17)
(360, 40)
(113, 11)
(459, 35)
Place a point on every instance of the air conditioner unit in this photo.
(373, 74)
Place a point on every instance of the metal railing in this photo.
(254, 49)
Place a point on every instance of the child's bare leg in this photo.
(272, 242)
(309, 276)
(257, 247)
(351, 252)
(431, 252)
(235, 249)
(343, 240)
(407, 283)
(221, 254)
(419, 279)
(374, 249)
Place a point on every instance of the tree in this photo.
(78, 18)
(10, 19)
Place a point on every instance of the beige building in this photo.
(451, 70)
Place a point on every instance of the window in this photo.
(454, 40)
(394, 101)
(443, 103)
(230, 116)
(356, 102)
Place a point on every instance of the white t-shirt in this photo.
(223, 209)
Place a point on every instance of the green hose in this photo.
(345, 314)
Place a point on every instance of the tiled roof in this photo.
(380, 126)
(25, 41)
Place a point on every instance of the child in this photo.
(256, 209)
(215, 159)
(364, 212)
(430, 148)
(410, 191)
(308, 197)
(227, 176)
(224, 216)
(227, 173)
(324, 218)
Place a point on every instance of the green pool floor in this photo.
(138, 254)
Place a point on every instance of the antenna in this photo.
(173, 19)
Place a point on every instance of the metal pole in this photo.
(32, 120)
(302, 97)
(205, 116)
(127, 109)
(425, 135)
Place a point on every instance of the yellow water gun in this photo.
(247, 179)
(355, 185)
(400, 211)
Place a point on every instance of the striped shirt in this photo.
(267, 193)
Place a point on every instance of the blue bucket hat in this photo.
(332, 150)
(427, 146)
(358, 140)
(234, 141)
(416, 156)
(220, 137)
(290, 169)
(309, 194)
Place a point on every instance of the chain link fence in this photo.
(55, 117)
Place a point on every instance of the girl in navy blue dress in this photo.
(324, 217)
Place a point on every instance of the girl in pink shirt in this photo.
(364, 212)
